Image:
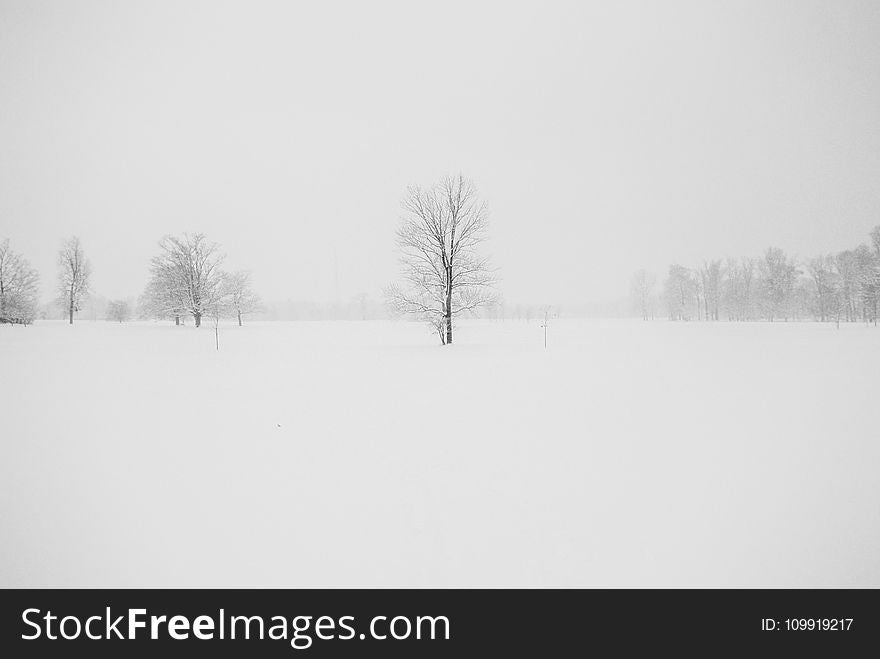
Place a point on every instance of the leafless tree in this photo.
(710, 281)
(18, 287)
(439, 239)
(680, 289)
(185, 277)
(778, 276)
(875, 240)
(848, 267)
(738, 288)
(118, 310)
(873, 277)
(867, 282)
(242, 298)
(825, 283)
(842, 286)
(73, 277)
(642, 287)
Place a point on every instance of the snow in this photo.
(365, 454)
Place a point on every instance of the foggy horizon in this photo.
(604, 138)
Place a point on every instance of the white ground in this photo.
(363, 454)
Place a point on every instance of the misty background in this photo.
(606, 137)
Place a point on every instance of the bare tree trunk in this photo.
(198, 318)
(239, 318)
(449, 305)
(177, 320)
(71, 311)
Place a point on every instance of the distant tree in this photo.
(439, 239)
(699, 293)
(118, 310)
(867, 266)
(875, 272)
(848, 269)
(825, 286)
(18, 287)
(495, 310)
(801, 298)
(185, 278)
(680, 290)
(73, 277)
(875, 240)
(710, 280)
(778, 276)
(242, 299)
(872, 291)
(737, 288)
(642, 287)
(844, 286)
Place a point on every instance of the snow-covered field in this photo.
(364, 454)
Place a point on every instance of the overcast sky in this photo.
(606, 136)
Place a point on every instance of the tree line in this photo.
(443, 274)
(837, 287)
(186, 280)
